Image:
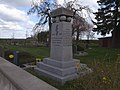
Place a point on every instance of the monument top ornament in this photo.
(62, 12)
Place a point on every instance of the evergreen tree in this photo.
(108, 20)
(42, 36)
(116, 31)
(104, 17)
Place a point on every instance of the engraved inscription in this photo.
(56, 41)
(56, 29)
(61, 38)
(67, 40)
(56, 36)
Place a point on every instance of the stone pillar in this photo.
(61, 65)
(61, 35)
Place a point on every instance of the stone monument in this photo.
(60, 65)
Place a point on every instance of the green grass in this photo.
(94, 54)
(100, 54)
(50, 81)
(104, 77)
(29, 54)
(69, 85)
(103, 61)
(38, 52)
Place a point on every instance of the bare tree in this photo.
(89, 34)
(80, 24)
(43, 9)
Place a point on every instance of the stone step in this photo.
(59, 64)
(56, 70)
(53, 76)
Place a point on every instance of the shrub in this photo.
(105, 76)
(79, 48)
(25, 57)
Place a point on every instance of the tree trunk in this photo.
(116, 39)
(50, 26)
(77, 37)
(116, 31)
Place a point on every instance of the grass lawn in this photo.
(38, 52)
(100, 54)
(104, 62)
(94, 54)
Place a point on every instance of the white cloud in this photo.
(13, 20)
(13, 17)
(91, 3)
(60, 1)
(17, 3)
(12, 14)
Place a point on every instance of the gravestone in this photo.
(12, 56)
(60, 65)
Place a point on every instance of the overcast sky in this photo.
(14, 21)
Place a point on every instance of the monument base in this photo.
(60, 71)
